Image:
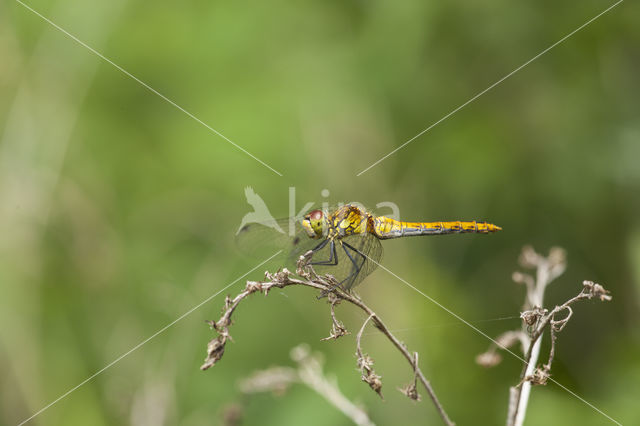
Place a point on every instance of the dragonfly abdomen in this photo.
(385, 228)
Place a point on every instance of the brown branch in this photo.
(327, 286)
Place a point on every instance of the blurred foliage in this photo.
(117, 211)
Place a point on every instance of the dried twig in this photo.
(411, 390)
(365, 364)
(535, 320)
(327, 286)
(555, 322)
(337, 328)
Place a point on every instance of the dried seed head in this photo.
(557, 256)
(596, 290)
(529, 258)
(532, 317)
(365, 362)
(253, 286)
(374, 382)
(337, 331)
(521, 278)
(539, 376)
(411, 392)
(215, 350)
(488, 359)
(300, 352)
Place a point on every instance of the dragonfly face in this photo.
(315, 224)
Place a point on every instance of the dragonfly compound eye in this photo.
(313, 223)
(315, 215)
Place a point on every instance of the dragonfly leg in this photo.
(333, 260)
(351, 277)
(356, 268)
(333, 256)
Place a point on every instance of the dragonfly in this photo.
(345, 241)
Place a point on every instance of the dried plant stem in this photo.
(547, 269)
(519, 395)
(365, 363)
(283, 279)
(394, 340)
(535, 297)
(536, 319)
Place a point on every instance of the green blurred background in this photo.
(118, 211)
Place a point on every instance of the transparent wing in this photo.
(357, 256)
(262, 239)
(369, 246)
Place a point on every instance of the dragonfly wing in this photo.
(368, 246)
(357, 256)
(263, 239)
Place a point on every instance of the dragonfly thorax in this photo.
(350, 220)
(345, 221)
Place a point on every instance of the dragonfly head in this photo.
(314, 223)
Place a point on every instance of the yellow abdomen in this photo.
(385, 228)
